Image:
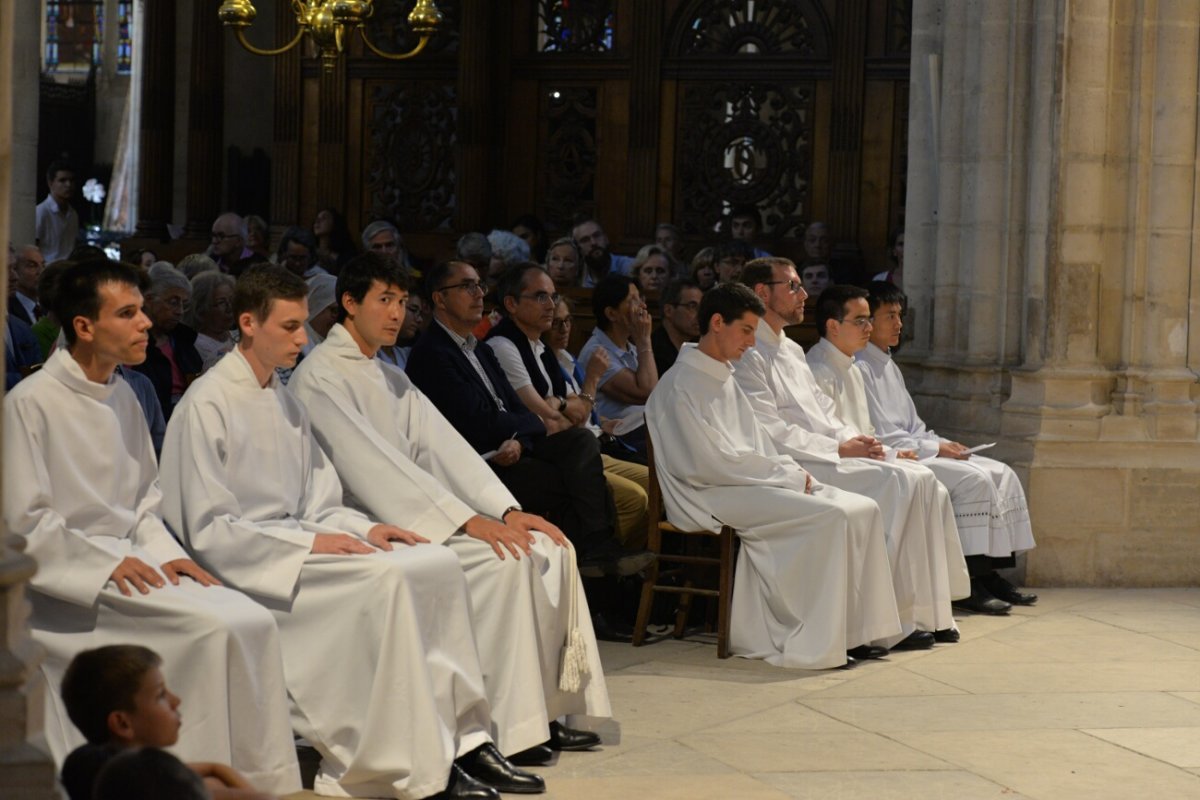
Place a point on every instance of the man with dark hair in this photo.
(745, 224)
(623, 330)
(86, 500)
(812, 588)
(598, 258)
(401, 461)
(57, 222)
(926, 557)
(252, 494)
(730, 257)
(680, 321)
(559, 476)
(989, 503)
(298, 252)
(814, 274)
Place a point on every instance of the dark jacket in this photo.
(157, 367)
(21, 352)
(439, 368)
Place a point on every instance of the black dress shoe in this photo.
(917, 640)
(611, 559)
(866, 651)
(607, 631)
(946, 636)
(982, 601)
(1005, 591)
(571, 740)
(537, 756)
(851, 662)
(463, 787)
(487, 765)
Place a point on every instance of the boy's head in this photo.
(117, 694)
(270, 304)
(148, 774)
(100, 302)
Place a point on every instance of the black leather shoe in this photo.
(851, 662)
(537, 756)
(946, 636)
(982, 601)
(866, 651)
(487, 765)
(463, 787)
(1005, 591)
(571, 740)
(614, 631)
(917, 640)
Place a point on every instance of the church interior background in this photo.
(1042, 158)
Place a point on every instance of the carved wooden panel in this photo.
(744, 144)
(410, 142)
(567, 154)
(576, 26)
(389, 31)
(898, 40)
(772, 27)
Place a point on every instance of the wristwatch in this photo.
(562, 404)
(508, 511)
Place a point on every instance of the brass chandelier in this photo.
(330, 23)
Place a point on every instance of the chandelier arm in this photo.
(241, 37)
(394, 56)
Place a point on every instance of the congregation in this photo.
(424, 468)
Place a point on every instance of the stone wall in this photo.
(1051, 260)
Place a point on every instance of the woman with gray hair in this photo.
(172, 361)
(211, 315)
(652, 268)
(192, 265)
(562, 262)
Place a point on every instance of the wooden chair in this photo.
(688, 565)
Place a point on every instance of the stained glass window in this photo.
(75, 36)
(576, 26)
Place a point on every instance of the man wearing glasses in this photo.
(228, 246)
(927, 563)
(680, 322)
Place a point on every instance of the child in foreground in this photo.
(117, 697)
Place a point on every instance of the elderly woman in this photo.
(172, 360)
(704, 268)
(210, 314)
(562, 262)
(322, 310)
(192, 265)
(652, 268)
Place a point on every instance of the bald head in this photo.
(228, 236)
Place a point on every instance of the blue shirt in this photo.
(618, 359)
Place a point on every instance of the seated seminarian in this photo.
(559, 476)
(381, 665)
(989, 503)
(86, 500)
(812, 587)
(401, 461)
(927, 564)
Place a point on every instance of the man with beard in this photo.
(598, 258)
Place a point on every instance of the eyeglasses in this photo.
(561, 324)
(793, 286)
(470, 287)
(861, 322)
(174, 303)
(541, 298)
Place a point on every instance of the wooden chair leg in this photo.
(685, 608)
(726, 589)
(647, 600)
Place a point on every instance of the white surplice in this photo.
(928, 569)
(989, 503)
(80, 486)
(401, 462)
(812, 577)
(378, 650)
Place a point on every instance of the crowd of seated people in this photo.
(284, 440)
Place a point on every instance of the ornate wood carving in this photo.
(567, 154)
(577, 26)
(795, 28)
(411, 137)
(745, 144)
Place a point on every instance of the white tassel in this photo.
(573, 663)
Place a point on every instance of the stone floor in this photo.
(1090, 694)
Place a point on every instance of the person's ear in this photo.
(349, 303)
(246, 323)
(120, 725)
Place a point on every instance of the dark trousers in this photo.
(562, 479)
(979, 566)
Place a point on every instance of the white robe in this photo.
(401, 462)
(928, 569)
(80, 486)
(989, 503)
(812, 576)
(378, 649)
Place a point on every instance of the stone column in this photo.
(156, 165)
(26, 772)
(24, 69)
(205, 137)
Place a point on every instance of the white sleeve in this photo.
(510, 361)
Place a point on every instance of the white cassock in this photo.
(80, 486)
(401, 462)
(928, 569)
(989, 503)
(812, 577)
(378, 649)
